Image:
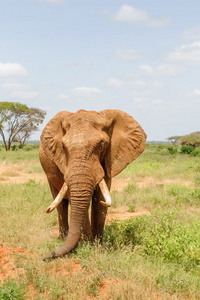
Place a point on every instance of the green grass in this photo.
(11, 290)
(147, 257)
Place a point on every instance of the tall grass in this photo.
(155, 256)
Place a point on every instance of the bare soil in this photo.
(13, 175)
(8, 266)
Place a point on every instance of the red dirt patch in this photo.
(125, 215)
(66, 268)
(106, 284)
(7, 266)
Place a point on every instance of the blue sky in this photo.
(142, 57)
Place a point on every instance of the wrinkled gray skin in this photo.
(80, 149)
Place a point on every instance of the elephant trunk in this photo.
(81, 189)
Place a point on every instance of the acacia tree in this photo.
(18, 121)
(174, 139)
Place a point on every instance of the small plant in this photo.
(93, 284)
(131, 208)
(14, 148)
(11, 291)
(172, 150)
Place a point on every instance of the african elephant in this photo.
(80, 153)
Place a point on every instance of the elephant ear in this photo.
(51, 139)
(127, 141)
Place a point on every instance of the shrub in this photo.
(162, 234)
(14, 148)
(172, 150)
(195, 153)
(28, 147)
(187, 149)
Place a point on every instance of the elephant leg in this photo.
(99, 212)
(62, 210)
(87, 231)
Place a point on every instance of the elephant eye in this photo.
(101, 146)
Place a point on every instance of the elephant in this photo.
(80, 153)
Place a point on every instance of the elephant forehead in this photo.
(83, 136)
(87, 119)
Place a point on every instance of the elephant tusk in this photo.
(58, 199)
(105, 191)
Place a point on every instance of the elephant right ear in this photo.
(51, 139)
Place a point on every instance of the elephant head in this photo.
(78, 151)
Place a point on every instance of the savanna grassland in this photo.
(153, 253)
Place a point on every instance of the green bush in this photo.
(195, 153)
(14, 148)
(187, 149)
(28, 147)
(172, 150)
(163, 234)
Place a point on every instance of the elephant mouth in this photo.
(102, 185)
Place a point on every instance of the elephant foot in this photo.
(51, 255)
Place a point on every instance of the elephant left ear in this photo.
(127, 141)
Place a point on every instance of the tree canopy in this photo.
(192, 139)
(18, 121)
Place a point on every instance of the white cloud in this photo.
(114, 82)
(192, 34)
(12, 70)
(193, 97)
(63, 97)
(126, 54)
(187, 53)
(126, 84)
(146, 69)
(77, 63)
(24, 95)
(85, 91)
(139, 83)
(168, 70)
(163, 70)
(130, 14)
(11, 86)
(17, 90)
(81, 94)
(196, 92)
(54, 1)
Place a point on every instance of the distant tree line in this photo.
(192, 139)
(18, 122)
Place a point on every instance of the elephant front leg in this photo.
(99, 212)
(62, 210)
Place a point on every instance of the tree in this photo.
(174, 139)
(19, 121)
(192, 139)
